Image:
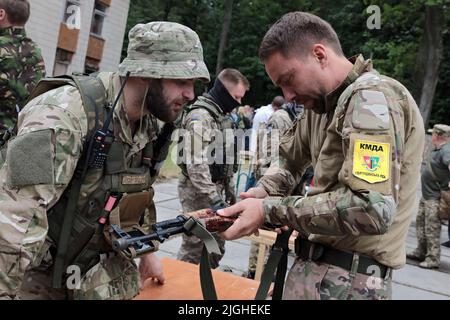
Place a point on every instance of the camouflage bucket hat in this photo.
(440, 130)
(164, 50)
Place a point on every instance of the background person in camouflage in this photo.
(435, 177)
(164, 60)
(360, 131)
(21, 63)
(278, 123)
(265, 134)
(204, 183)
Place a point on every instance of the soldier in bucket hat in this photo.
(37, 194)
(435, 186)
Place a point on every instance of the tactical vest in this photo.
(127, 181)
(219, 172)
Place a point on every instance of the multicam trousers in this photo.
(191, 246)
(428, 230)
(309, 280)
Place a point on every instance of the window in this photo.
(62, 61)
(91, 65)
(72, 14)
(98, 19)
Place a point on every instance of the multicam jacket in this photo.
(365, 147)
(52, 129)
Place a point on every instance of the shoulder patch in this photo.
(371, 160)
(371, 111)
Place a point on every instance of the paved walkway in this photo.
(410, 282)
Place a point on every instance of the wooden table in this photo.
(183, 283)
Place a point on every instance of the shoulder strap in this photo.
(93, 95)
(92, 91)
(201, 103)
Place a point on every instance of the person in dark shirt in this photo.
(435, 178)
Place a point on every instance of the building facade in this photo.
(78, 35)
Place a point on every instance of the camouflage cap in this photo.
(163, 49)
(440, 130)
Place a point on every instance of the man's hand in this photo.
(257, 192)
(251, 217)
(150, 267)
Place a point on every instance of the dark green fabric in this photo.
(206, 279)
(93, 95)
(438, 162)
(28, 165)
(196, 228)
(277, 260)
(66, 228)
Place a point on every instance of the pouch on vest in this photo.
(126, 215)
(113, 278)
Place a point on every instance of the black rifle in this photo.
(165, 229)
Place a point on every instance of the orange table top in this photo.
(183, 283)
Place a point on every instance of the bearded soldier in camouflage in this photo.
(21, 63)
(361, 132)
(206, 182)
(164, 59)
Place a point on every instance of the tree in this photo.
(429, 59)
(228, 10)
(394, 48)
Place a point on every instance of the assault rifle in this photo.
(183, 223)
(203, 222)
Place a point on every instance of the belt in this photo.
(308, 250)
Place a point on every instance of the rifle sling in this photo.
(196, 228)
(66, 228)
(277, 260)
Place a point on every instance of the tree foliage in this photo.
(393, 48)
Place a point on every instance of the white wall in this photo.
(43, 27)
(113, 33)
(46, 17)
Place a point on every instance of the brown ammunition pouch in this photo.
(127, 215)
(312, 251)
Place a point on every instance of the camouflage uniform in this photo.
(362, 141)
(435, 177)
(278, 123)
(21, 68)
(56, 121)
(196, 188)
(428, 232)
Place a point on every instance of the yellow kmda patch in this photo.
(371, 160)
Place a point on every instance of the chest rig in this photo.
(110, 187)
(220, 172)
